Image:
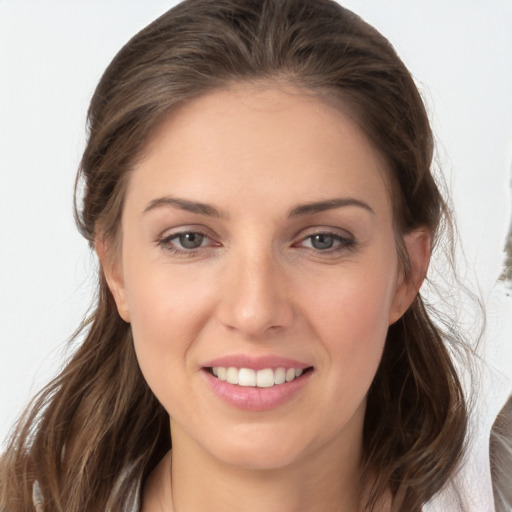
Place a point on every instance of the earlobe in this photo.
(418, 244)
(112, 270)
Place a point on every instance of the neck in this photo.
(328, 479)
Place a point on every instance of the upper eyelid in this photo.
(312, 231)
(179, 230)
(173, 236)
(343, 240)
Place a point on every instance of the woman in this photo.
(257, 188)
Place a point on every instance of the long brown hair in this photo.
(95, 432)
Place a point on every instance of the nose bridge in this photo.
(254, 297)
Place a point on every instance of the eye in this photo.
(327, 242)
(322, 241)
(186, 242)
(190, 240)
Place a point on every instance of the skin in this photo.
(260, 285)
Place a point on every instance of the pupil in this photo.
(322, 241)
(191, 240)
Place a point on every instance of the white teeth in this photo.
(290, 374)
(232, 375)
(280, 376)
(264, 378)
(248, 377)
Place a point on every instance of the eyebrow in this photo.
(328, 204)
(186, 205)
(297, 211)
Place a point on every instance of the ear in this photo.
(112, 270)
(418, 244)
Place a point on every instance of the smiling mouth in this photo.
(265, 378)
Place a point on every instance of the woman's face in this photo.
(258, 243)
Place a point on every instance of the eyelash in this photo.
(166, 243)
(343, 243)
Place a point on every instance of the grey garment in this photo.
(37, 498)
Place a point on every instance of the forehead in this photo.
(278, 142)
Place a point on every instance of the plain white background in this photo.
(53, 53)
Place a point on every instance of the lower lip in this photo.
(253, 398)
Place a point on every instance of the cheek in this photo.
(163, 298)
(358, 300)
(167, 311)
(351, 320)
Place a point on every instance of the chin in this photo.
(260, 449)
(266, 458)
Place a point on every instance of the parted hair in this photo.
(96, 431)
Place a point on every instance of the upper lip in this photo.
(255, 362)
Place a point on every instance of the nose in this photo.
(255, 299)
